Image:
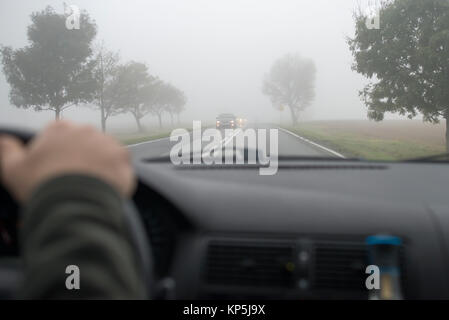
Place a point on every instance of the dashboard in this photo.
(225, 232)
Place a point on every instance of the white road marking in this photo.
(229, 139)
(150, 141)
(313, 143)
(223, 142)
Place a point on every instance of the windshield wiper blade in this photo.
(442, 157)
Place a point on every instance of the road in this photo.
(288, 144)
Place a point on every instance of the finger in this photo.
(11, 149)
(10, 146)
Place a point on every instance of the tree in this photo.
(406, 60)
(53, 71)
(178, 105)
(104, 71)
(159, 104)
(169, 99)
(133, 90)
(291, 82)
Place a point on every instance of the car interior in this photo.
(283, 150)
(301, 234)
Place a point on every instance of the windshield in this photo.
(318, 79)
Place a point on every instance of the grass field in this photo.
(387, 140)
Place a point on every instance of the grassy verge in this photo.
(351, 143)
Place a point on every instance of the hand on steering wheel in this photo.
(57, 151)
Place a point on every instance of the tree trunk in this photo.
(103, 124)
(293, 115)
(103, 120)
(103, 114)
(171, 119)
(159, 116)
(447, 133)
(139, 125)
(57, 113)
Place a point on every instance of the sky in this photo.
(216, 51)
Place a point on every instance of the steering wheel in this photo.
(10, 209)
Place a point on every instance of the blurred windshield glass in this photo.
(337, 79)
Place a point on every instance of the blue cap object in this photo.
(383, 239)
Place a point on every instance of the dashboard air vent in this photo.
(340, 266)
(249, 264)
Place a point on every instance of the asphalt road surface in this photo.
(289, 144)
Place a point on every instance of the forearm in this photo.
(78, 220)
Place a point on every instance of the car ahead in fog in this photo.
(226, 120)
(241, 122)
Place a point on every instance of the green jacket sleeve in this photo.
(78, 220)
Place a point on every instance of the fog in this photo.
(216, 51)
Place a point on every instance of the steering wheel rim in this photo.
(139, 238)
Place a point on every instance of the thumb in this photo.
(11, 150)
